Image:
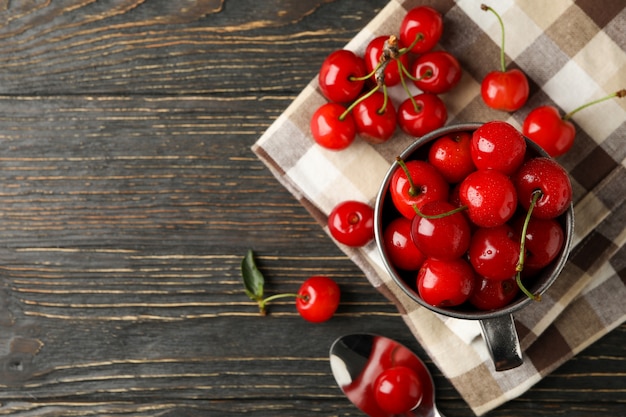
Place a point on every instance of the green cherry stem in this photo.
(413, 191)
(522, 252)
(368, 76)
(360, 99)
(385, 100)
(419, 37)
(264, 301)
(405, 72)
(502, 60)
(440, 215)
(619, 94)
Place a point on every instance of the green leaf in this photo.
(253, 280)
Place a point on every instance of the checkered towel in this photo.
(572, 53)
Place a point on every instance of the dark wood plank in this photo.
(164, 47)
(129, 194)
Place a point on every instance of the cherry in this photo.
(490, 294)
(392, 70)
(332, 127)
(555, 134)
(494, 252)
(341, 77)
(375, 118)
(318, 299)
(504, 90)
(398, 390)
(421, 27)
(489, 196)
(422, 114)
(436, 72)
(399, 245)
(544, 126)
(446, 237)
(352, 223)
(498, 145)
(544, 240)
(450, 155)
(445, 283)
(549, 178)
(415, 184)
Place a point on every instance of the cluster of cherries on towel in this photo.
(356, 86)
(358, 103)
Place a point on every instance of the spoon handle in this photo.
(436, 413)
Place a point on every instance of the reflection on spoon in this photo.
(356, 361)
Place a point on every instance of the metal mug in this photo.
(498, 327)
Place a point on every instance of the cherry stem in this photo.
(412, 188)
(619, 94)
(522, 252)
(440, 215)
(404, 72)
(383, 108)
(427, 74)
(264, 301)
(419, 37)
(360, 99)
(502, 61)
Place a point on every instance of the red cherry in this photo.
(550, 178)
(425, 184)
(374, 50)
(375, 118)
(494, 252)
(490, 197)
(332, 127)
(490, 294)
(339, 76)
(445, 283)
(424, 24)
(555, 134)
(498, 145)
(504, 90)
(544, 240)
(398, 390)
(437, 72)
(443, 238)
(422, 114)
(451, 155)
(352, 223)
(399, 245)
(546, 128)
(318, 299)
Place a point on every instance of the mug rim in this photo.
(552, 271)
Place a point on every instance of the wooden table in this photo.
(129, 195)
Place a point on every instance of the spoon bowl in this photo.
(356, 360)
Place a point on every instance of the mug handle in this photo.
(502, 342)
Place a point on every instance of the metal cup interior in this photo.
(384, 212)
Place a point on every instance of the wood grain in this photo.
(129, 195)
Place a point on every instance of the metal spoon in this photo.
(357, 359)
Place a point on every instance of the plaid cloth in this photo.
(572, 53)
